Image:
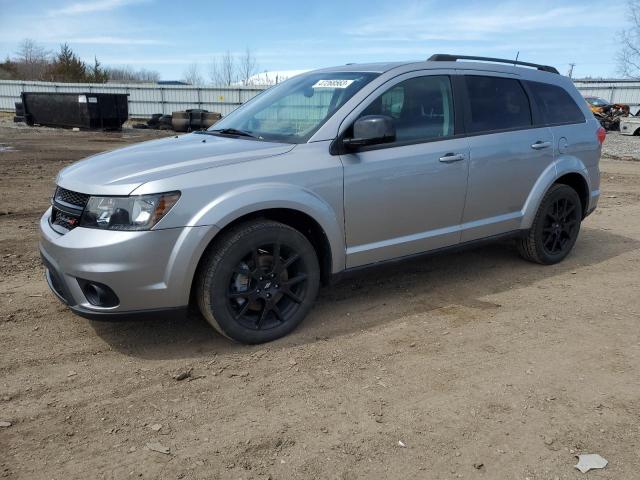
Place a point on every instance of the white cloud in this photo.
(429, 21)
(92, 6)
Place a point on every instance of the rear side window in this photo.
(496, 104)
(555, 104)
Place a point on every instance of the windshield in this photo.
(597, 102)
(294, 110)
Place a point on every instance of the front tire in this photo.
(555, 228)
(258, 281)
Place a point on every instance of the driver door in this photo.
(407, 196)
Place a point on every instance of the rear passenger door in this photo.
(508, 154)
(558, 110)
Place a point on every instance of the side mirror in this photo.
(371, 130)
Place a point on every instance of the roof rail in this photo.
(443, 57)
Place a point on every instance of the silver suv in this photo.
(329, 171)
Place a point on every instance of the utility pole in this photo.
(570, 74)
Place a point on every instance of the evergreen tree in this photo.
(67, 66)
(97, 73)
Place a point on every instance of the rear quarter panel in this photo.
(576, 149)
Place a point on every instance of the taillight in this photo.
(601, 134)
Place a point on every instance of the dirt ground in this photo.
(482, 365)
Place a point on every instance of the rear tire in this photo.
(555, 228)
(258, 281)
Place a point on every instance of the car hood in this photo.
(121, 171)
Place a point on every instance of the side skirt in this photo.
(354, 271)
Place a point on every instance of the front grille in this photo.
(67, 209)
(64, 219)
(76, 199)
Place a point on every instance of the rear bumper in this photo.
(593, 202)
(150, 272)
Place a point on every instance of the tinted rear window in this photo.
(555, 104)
(497, 104)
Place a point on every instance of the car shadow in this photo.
(406, 287)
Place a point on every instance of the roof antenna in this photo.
(517, 55)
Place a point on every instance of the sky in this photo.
(168, 36)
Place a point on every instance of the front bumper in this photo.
(149, 271)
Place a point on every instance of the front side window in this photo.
(555, 105)
(421, 108)
(496, 103)
(294, 110)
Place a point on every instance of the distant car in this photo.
(630, 125)
(596, 104)
(329, 171)
(608, 114)
(600, 105)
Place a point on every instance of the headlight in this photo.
(140, 212)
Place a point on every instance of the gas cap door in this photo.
(563, 145)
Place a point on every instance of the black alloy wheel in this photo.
(560, 222)
(258, 281)
(267, 286)
(555, 227)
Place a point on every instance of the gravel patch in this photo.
(621, 147)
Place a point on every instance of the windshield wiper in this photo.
(233, 131)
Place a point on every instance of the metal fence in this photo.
(146, 99)
(614, 91)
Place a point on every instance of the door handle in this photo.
(452, 157)
(539, 145)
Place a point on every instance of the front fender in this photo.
(559, 168)
(248, 199)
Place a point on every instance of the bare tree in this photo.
(192, 75)
(127, 74)
(8, 70)
(224, 70)
(214, 72)
(148, 76)
(32, 60)
(248, 67)
(629, 56)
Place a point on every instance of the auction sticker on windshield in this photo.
(332, 83)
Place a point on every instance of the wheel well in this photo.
(302, 222)
(579, 184)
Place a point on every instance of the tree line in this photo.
(33, 62)
(226, 70)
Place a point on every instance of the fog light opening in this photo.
(98, 294)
